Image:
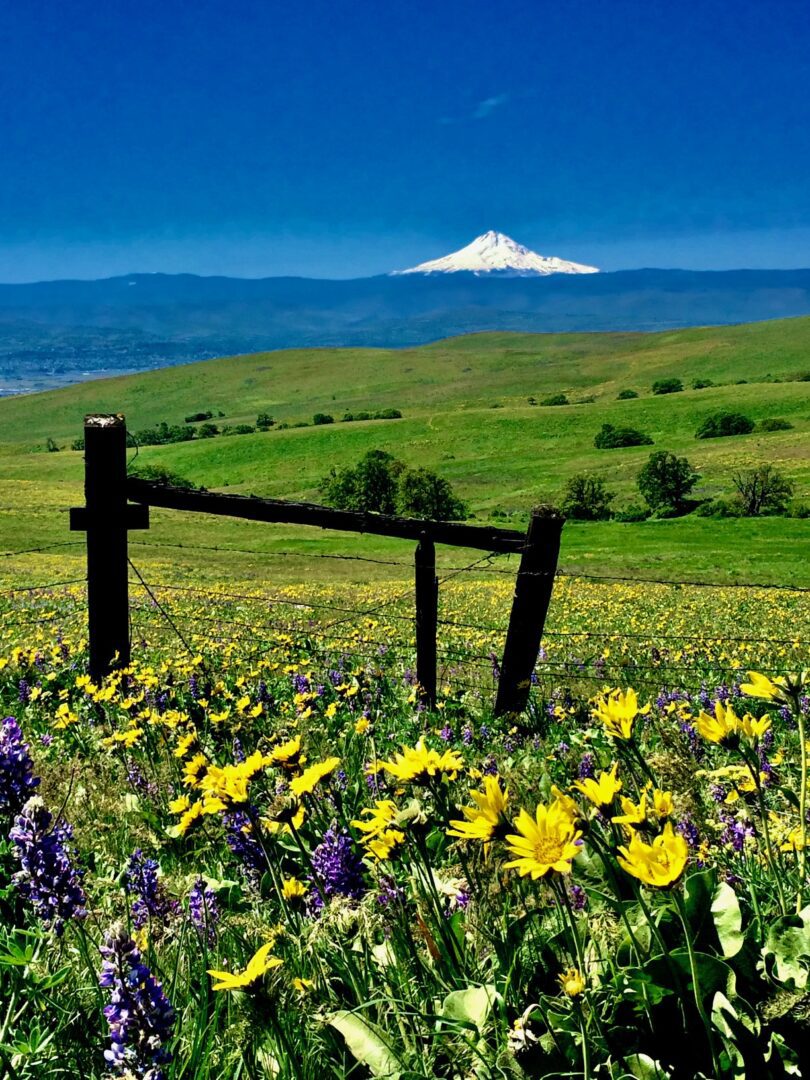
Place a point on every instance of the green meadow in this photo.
(466, 414)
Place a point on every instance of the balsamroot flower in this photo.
(418, 764)
(618, 711)
(139, 1015)
(603, 791)
(260, 963)
(726, 727)
(487, 819)
(660, 863)
(544, 843)
(309, 779)
(17, 780)
(572, 982)
(783, 690)
(381, 837)
(47, 878)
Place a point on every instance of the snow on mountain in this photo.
(494, 253)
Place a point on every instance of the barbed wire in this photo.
(43, 547)
(45, 587)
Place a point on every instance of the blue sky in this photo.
(348, 137)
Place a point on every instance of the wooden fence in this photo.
(116, 503)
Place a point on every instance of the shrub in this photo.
(164, 434)
(198, 416)
(701, 384)
(555, 399)
(423, 494)
(264, 421)
(798, 509)
(51, 446)
(78, 444)
(667, 386)
(322, 418)
(388, 414)
(719, 508)
(531, 400)
(589, 400)
(721, 424)
(158, 474)
(774, 423)
(207, 431)
(632, 512)
(242, 429)
(762, 490)
(586, 499)
(626, 395)
(666, 481)
(612, 438)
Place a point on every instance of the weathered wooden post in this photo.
(533, 585)
(427, 615)
(105, 518)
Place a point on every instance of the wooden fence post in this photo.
(533, 585)
(105, 518)
(427, 614)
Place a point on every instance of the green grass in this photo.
(465, 415)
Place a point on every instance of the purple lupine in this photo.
(578, 896)
(204, 910)
(150, 900)
(47, 877)
(446, 733)
(337, 869)
(587, 766)
(138, 781)
(24, 692)
(242, 842)
(388, 892)
(17, 780)
(689, 831)
(140, 1016)
(490, 766)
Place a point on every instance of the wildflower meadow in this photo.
(254, 853)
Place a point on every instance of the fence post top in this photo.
(104, 420)
(547, 511)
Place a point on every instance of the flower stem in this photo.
(802, 808)
(679, 905)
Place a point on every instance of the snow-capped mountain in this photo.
(494, 253)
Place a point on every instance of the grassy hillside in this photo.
(466, 415)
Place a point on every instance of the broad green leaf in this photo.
(787, 949)
(367, 1043)
(644, 1068)
(470, 1006)
(727, 919)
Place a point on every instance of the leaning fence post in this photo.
(427, 614)
(533, 585)
(105, 518)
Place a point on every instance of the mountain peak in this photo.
(495, 253)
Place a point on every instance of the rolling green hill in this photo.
(466, 414)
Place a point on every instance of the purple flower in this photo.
(337, 869)
(490, 766)
(151, 902)
(579, 898)
(243, 843)
(24, 692)
(204, 911)
(446, 734)
(47, 878)
(140, 1016)
(17, 780)
(587, 766)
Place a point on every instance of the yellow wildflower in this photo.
(760, 686)
(185, 744)
(293, 889)
(618, 711)
(309, 779)
(603, 791)
(361, 725)
(548, 841)
(418, 764)
(572, 982)
(720, 728)
(287, 754)
(660, 863)
(260, 963)
(487, 817)
(195, 769)
(633, 814)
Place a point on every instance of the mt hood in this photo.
(496, 254)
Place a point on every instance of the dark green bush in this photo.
(667, 386)
(632, 512)
(264, 421)
(612, 438)
(586, 499)
(701, 384)
(774, 423)
(322, 418)
(423, 494)
(721, 424)
(195, 417)
(78, 444)
(164, 434)
(158, 474)
(382, 484)
(626, 395)
(555, 399)
(388, 414)
(207, 431)
(719, 508)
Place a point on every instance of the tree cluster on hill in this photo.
(382, 484)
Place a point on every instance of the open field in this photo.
(466, 416)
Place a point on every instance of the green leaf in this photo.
(644, 1068)
(727, 920)
(787, 949)
(470, 1006)
(368, 1044)
(698, 890)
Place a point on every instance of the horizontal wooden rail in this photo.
(479, 537)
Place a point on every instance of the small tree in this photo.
(612, 438)
(423, 494)
(762, 490)
(666, 481)
(322, 418)
(207, 431)
(667, 386)
(264, 421)
(586, 498)
(371, 485)
(555, 399)
(626, 395)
